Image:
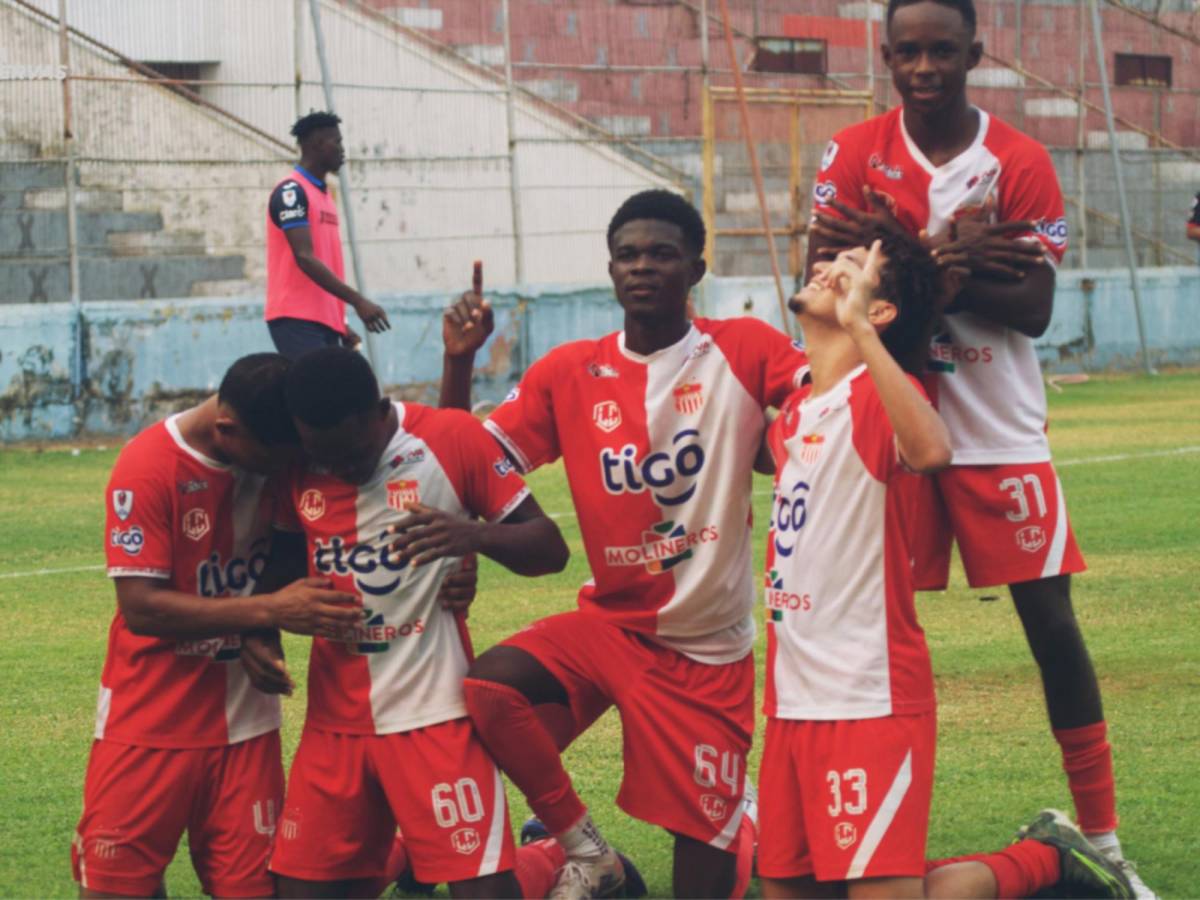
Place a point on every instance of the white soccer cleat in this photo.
(585, 877)
(1141, 890)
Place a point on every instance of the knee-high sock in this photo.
(1087, 760)
(1020, 870)
(524, 749)
(747, 837)
(537, 867)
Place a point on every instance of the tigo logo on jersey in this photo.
(689, 397)
(830, 154)
(622, 470)
(465, 841)
(196, 524)
(810, 448)
(122, 503)
(665, 546)
(218, 649)
(607, 416)
(513, 394)
(362, 560)
(375, 635)
(824, 192)
(1031, 538)
(215, 578)
(1054, 231)
(312, 504)
(130, 540)
(402, 493)
(789, 515)
(779, 600)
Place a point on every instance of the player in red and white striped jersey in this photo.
(939, 165)
(658, 427)
(386, 739)
(183, 741)
(847, 769)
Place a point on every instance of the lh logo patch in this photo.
(607, 416)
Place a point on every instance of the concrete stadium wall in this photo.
(146, 358)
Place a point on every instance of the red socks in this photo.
(537, 866)
(743, 845)
(1087, 760)
(524, 750)
(1020, 870)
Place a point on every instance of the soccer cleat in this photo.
(1085, 871)
(635, 886)
(1141, 890)
(585, 877)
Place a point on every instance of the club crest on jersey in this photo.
(312, 504)
(1031, 538)
(122, 502)
(130, 540)
(602, 371)
(824, 192)
(830, 154)
(810, 448)
(788, 515)
(402, 493)
(895, 173)
(663, 547)
(845, 834)
(689, 397)
(465, 841)
(607, 416)
(623, 471)
(716, 808)
(196, 523)
(289, 196)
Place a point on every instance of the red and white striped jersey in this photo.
(203, 527)
(659, 451)
(402, 667)
(984, 377)
(842, 635)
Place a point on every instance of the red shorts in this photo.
(687, 726)
(347, 793)
(1010, 523)
(844, 800)
(137, 802)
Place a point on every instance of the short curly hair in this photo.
(911, 281)
(662, 206)
(314, 121)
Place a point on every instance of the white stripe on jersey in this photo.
(1058, 543)
(495, 839)
(729, 832)
(882, 820)
(103, 705)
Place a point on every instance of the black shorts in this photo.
(295, 337)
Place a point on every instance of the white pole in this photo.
(64, 60)
(514, 181)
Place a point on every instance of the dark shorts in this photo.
(294, 337)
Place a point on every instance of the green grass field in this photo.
(1128, 449)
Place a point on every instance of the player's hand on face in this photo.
(468, 321)
(855, 276)
(989, 248)
(262, 658)
(427, 534)
(311, 606)
(372, 314)
(457, 592)
(857, 228)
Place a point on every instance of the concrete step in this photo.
(19, 150)
(88, 198)
(157, 243)
(229, 287)
(43, 281)
(43, 232)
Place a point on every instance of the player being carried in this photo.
(183, 742)
(658, 426)
(847, 768)
(386, 739)
(939, 165)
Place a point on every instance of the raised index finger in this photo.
(477, 277)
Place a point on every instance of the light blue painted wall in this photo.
(146, 358)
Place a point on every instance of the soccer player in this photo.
(658, 426)
(386, 739)
(933, 165)
(182, 741)
(847, 768)
(1193, 224)
(306, 289)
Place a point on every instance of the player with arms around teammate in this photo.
(182, 740)
(386, 739)
(937, 165)
(306, 288)
(658, 426)
(847, 769)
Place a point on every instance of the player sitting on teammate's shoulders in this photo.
(386, 739)
(847, 769)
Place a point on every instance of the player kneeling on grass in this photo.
(847, 768)
(386, 739)
(182, 741)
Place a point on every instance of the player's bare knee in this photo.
(513, 667)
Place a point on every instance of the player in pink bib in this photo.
(940, 166)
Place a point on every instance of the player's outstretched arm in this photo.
(921, 435)
(526, 541)
(307, 606)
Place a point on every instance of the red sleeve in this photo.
(841, 175)
(769, 364)
(139, 515)
(524, 423)
(1029, 190)
(874, 437)
(487, 481)
(782, 428)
